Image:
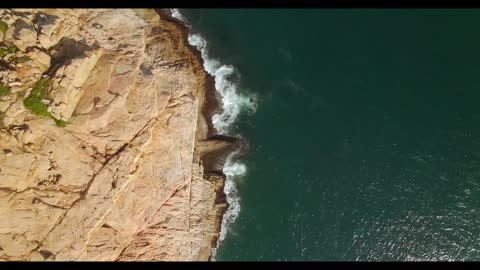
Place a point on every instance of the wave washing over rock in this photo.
(233, 103)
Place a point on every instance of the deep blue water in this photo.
(366, 141)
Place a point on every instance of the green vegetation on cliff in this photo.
(59, 122)
(4, 50)
(34, 101)
(4, 90)
(15, 60)
(3, 26)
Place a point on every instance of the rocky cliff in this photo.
(104, 133)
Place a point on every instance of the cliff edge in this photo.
(103, 137)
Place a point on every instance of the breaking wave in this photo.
(233, 103)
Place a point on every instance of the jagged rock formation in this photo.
(123, 178)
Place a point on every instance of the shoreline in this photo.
(210, 104)
(214, 148)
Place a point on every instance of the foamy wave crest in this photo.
(231, 169)
(177, 15)
(233, 103)
(234, 169)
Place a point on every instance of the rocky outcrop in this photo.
(113, 169)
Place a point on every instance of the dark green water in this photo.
(366, 141)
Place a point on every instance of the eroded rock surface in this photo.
(123, 179)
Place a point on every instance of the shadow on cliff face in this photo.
(42, 19)
(214, 161)
(65, 51)
(20, 24)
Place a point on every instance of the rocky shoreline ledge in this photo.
(107, 148)
(212, 147)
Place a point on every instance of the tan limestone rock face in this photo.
(123, 180)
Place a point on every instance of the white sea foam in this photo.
(232, 170)
(233, 103)
(177, 15)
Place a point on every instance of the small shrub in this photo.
(4, 50)
(12, 49)
(34, 101)
(59, 123)
(3, 26)
(4, 90)
(14, 59)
